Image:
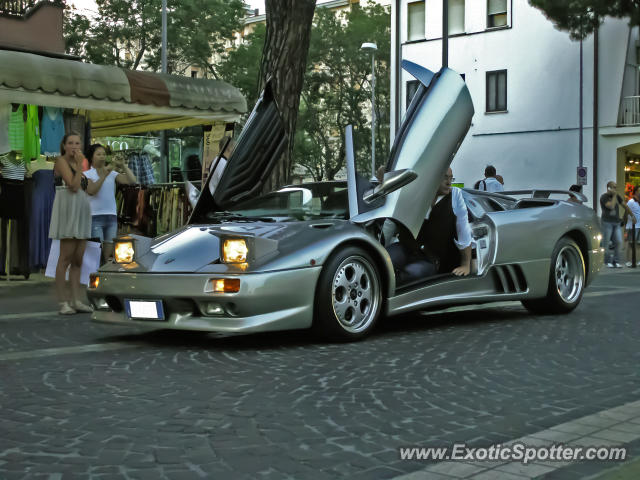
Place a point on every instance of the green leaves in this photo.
(581, 17)
(128, 33)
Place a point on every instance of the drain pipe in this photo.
(595, 117)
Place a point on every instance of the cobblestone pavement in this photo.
(83, 400)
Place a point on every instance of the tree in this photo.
(284, 59)
(241, 66)
(581, 17)
(337, 93)
(128, 33)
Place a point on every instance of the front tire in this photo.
(349, 296)
(566, 280)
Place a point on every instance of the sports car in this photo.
(317, 256)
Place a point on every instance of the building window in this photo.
(412, 88)
(496, 13)
(194, 74)
(456, 16)
(415, 21)
(497, 91)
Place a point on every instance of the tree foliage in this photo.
(128, 33)
(581, 17)
(241, 66)
(337, 90)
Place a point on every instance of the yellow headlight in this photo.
(234, 251)
(124, 252)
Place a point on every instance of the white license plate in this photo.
(145, 309)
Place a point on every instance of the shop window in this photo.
(456, 16)
(415, 21)
(497, 91)
(496, 13)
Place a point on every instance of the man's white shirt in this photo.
(493, 185)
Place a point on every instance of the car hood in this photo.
(258, 149)
(197, 248)
(434, 126)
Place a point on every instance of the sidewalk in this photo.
(627, 471)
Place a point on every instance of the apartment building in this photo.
(524, 78)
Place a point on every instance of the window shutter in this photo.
(416, 21)
(496, 6)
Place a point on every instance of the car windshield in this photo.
(296, 202)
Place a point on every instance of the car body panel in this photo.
(288, 250)
(435, 125)
(257, 150)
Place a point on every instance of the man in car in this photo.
(444, 238)
(445, 232)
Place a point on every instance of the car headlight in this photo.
(124, 251)
(234, 250)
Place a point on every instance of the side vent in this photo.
(509, 279)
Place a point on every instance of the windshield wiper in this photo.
(233, 216)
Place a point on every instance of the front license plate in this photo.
(144, 309)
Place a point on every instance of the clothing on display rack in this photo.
(5, 113)
(31, 149)
(41, 206)
(11, 168)
(16, 128)
(52, 131)
(15, 204)
(140, 164)
(152, 210)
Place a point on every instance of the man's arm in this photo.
(630, 213)
(611, 203)
(465, 263)
(463, 230)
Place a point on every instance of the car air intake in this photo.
(509, 279)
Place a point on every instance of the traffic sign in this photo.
(582, 176)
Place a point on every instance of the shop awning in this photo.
(117, 100)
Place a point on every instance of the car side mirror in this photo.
(392, 182)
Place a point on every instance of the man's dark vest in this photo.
(437, 234)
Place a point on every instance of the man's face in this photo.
(445, 184)
(612, 187)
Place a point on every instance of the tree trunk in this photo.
(284, 60)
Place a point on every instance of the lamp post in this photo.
(372, 47)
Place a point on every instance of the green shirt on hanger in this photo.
(16, 129)
(31, 135)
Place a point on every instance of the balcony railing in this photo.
(17, 8)
(629, 111)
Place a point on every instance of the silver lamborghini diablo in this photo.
(314, 256)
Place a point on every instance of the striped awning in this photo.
(115, 95)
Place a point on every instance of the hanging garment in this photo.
(15, 203)
(31, 150)
(75, 124)
(11, 170)
(5, 113)
(16, 129)
(41, 207)
(140, 166)
(52, 131)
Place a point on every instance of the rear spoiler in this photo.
(544, 193)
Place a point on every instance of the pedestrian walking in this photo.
(632, 227)
(610, 202)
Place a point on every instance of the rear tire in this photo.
(566, 280)
(348, 297)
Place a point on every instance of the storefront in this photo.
(127, 110)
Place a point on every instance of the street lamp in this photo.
(372, 47)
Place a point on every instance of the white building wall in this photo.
(535, 143)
